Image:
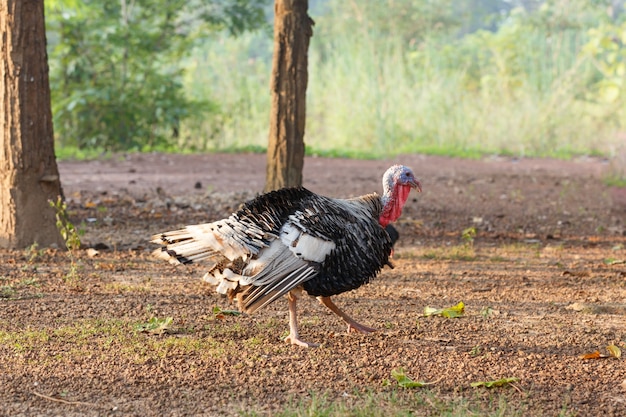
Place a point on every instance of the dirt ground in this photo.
(543, 282)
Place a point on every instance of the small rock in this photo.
(576, 307)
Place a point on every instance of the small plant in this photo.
(486, 312)
(495, 383)
(476, 350)
(33, 252)
(70, 234)
(468, 236)
(405, 382)
(221, 314)
(155, 326)
(7, 291)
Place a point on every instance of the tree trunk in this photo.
(28, 171)
(285, 152)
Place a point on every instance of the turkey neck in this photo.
(393, 200)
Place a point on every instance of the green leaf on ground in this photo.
(406, 382)
(449, 312)
(614, 351)
(221, 314)
(495, 383)
(155, 326)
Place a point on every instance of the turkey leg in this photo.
(352, 325)
(293, 337)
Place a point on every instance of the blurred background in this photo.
(461, 78)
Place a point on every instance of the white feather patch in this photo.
(226, 285)
(231, 276)
(304, 246)
(212, 277)
(224, 280)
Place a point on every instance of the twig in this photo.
(59, 400)
(516, 387)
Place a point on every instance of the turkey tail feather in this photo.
(168, 238)
(180, 248)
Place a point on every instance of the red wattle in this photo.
(393, 209)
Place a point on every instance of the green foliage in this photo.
(411, 21)
(395, 403)
(7, 291)
(607, 50)
(116, 73)
(468, 236)
(220, 313)
(404, 381)
(72, 152)
(155, 326)
(69, 233)
(495, 383)
(449, 78)
(71, 237)
(506, 90)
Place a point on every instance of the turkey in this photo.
(290, 240)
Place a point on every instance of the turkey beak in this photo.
(416, 184)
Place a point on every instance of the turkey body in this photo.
(283, 239)
(292, 239)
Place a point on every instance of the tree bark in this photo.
(293, 29)
(29, 176)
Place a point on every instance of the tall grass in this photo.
(234, 73)
(522, 90)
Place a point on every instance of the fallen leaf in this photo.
(495, 383)
(614, 351)
(449, 312)
(220, 314)
(155, 326)
(406, 382)
(593, 355)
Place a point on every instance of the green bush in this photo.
(385, 77)
(116, 73)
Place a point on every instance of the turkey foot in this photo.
(352, 325)
(293, 336)
(295, 340)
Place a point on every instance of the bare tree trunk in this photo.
(285, 152)
(28, 171)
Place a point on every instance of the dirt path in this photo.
(543, 282)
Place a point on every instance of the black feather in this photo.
(393, 233)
